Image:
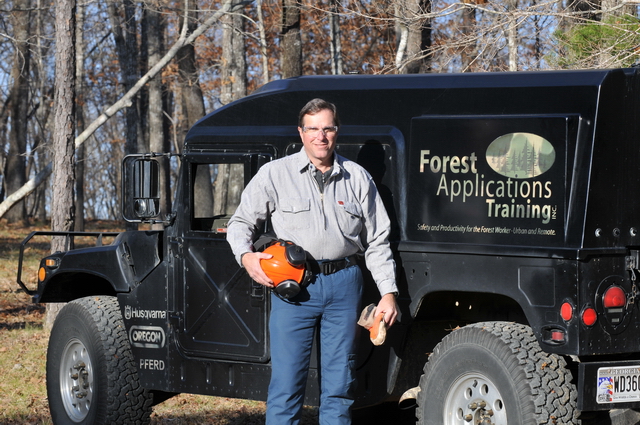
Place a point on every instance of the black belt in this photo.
(332, 266)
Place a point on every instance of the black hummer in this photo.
(516, 230)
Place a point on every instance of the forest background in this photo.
(83, 83)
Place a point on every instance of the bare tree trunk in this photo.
(15, 175)
(336, 47)
(158, 136)
(418, 38)
(125, 31)
(62, 209)
(193, 108)
(234, 65)
(234, 87)
(469, 50)
(413, 35)
(43, 113)
(537, 44)
(263, 43)
(80, 157)
(402, 34)
(512, 36)
(125, 35)
(148, 7)
(4, 128)
(291, 39)
(221, 189)
(192, 99)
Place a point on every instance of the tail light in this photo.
(566, 311)
(589, 316)
(614, 306)
(614, 297)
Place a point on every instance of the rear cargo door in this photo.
(223, 312)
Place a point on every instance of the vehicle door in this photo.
(224, 312)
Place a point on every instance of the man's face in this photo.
(320, 141)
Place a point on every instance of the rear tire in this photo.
(91, 374)
(495, 372)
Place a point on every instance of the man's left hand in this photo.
(389, 307)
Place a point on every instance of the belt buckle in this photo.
(329, 267)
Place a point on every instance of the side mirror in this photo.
(141, 191)
(146, 188)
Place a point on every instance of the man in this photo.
(330, 207)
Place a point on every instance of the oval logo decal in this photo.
(520, 155)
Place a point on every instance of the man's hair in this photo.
(316, 105)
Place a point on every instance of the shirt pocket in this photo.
(296, 212)
(349, 218)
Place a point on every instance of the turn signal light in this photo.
(49, 264)
(613, 297)
(42, 273)
(589, 316)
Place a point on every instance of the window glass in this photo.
(216, 195)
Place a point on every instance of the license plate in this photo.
(618, 384)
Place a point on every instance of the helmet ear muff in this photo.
(286, 268)
(287, 288)
(295, 254)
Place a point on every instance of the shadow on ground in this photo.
(387, 413)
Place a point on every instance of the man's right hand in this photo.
(251, 262)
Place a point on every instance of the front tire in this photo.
(91, 374)
(495, 373)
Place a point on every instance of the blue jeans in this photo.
(331, 304)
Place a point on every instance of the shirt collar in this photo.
(303, 163)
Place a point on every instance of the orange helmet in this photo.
(286, 267)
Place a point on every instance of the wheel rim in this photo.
(76, 380)
(474, 399)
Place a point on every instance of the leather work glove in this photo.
(375, 325)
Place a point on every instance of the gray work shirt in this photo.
(347, 218)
